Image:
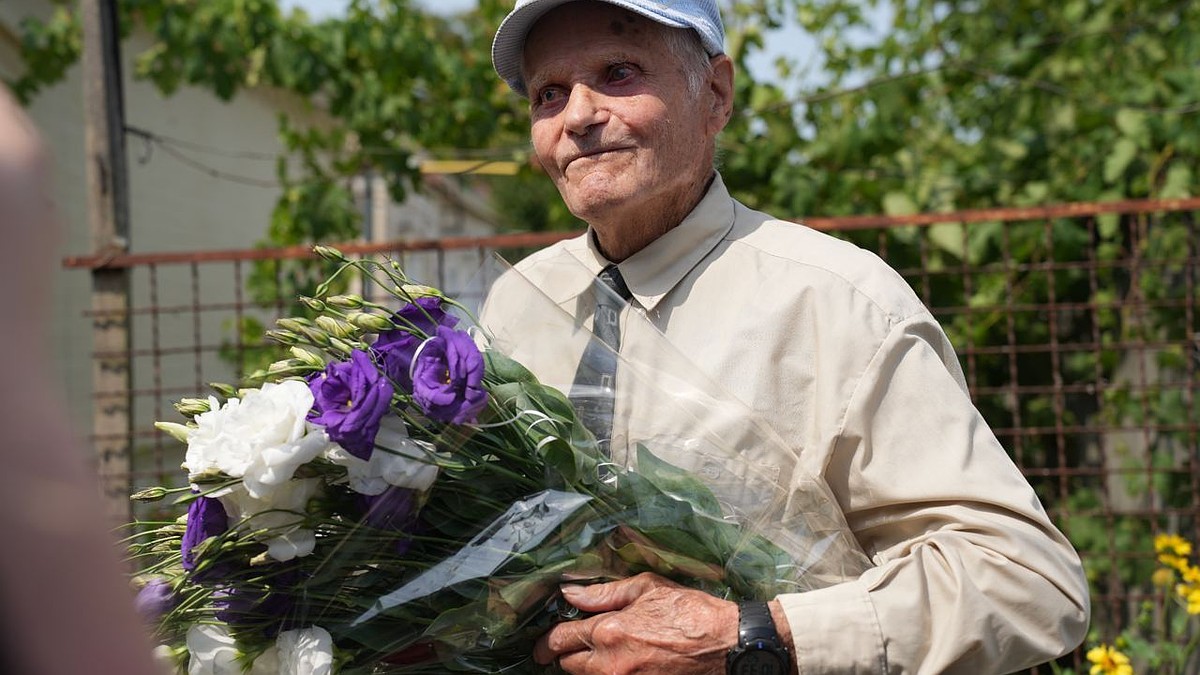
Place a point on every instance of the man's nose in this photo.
(584, 110)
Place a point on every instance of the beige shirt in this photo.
(805, 380)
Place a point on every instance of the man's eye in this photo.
(548, 95)
(620, 72)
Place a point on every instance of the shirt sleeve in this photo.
(970, 576)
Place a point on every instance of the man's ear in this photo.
(720, 85)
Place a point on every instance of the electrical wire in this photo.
(152, 141)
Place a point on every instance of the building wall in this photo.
(446, 206)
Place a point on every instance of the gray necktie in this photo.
(596, 377)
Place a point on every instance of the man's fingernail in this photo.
(571, 589)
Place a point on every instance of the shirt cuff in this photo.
(835, 629)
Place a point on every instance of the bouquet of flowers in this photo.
(401, 496)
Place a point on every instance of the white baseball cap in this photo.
(508, 48)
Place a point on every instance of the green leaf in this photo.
(505, 369)
(898, 204)
(676, 482)
(1012, 149)
(1123, 152)
(1132, 123)
(1178, 183)
(948, 237)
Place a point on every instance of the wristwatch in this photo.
(759, 650)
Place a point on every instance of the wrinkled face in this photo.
(613, 123)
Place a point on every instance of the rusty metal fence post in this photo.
(108, 218)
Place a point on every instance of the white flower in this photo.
(397, 460)
(306, 651)
(281, 511)
(213, 651)
(267, 663)
(276, 465)
(164, 658)
(295, 543)
(262, 437)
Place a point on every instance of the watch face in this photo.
(757, 662)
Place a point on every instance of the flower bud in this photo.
(396, 268)
(225, 390)
(346, 301)
(1163, 577)
(312, 303)
(206, 477)
(283, 337)
(339, 345)
(284, 366)
(295, 324)
(190, 407)
(308, 358)
(371, 322)
(152, 494)
(337, 327)
(415, 291)
(317, 337)
(177, 431)
(329, 253)
(168, 547)
(170, 659)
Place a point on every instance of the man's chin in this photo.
(599, 205)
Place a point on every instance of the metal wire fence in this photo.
(1078, 327)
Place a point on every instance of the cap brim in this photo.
(508, 48)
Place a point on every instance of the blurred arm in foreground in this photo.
(65, 607)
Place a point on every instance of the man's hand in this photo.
(645, 624)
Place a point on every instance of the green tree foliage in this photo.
(950, 105)
(974, 104)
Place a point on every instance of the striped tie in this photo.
(596, 377)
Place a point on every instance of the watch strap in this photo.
(757, 635)
(755, 623)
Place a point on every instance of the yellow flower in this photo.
(1108, 661)
(1191, 574)
(1173, 543)
(1173, 561)
(1193, 599)
(1163, 577)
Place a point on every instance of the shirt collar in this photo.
(652, 272)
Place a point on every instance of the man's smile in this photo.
(592, 153)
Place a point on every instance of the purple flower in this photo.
(448, 377)
(266, 604)
(392, 511)
(155, 599)
(396, 348)
(351, 399)
(389, 510)
(206, 518)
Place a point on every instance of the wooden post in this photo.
(108, 220)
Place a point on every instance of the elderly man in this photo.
(965, 572)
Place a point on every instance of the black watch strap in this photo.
(759, 649)
(755, 623)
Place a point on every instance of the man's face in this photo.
(613, 122)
